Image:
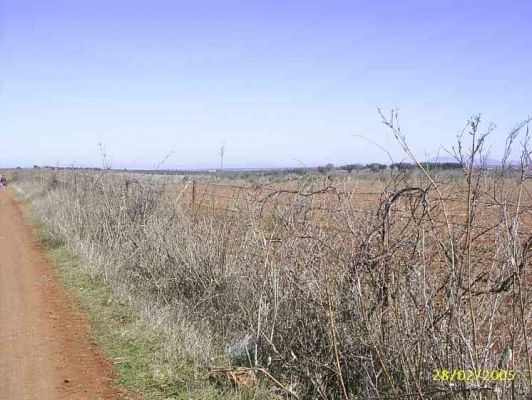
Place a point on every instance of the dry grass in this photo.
(341, 295)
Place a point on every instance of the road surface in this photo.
(46, 348)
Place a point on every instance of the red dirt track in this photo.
(46, 348)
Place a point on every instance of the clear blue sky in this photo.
(278, 81)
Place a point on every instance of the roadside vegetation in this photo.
(310, 287)
(148, 353)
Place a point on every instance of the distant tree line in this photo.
(445, 165)
(399, 166)
(373, 167)
(53, 168)
(323, 169)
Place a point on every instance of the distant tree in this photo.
(444, 165)
(375, 167)
(326, 168)
(36, 166)
(297, 171)
(352, 167)
(402, 166)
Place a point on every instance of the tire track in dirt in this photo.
(47, 351)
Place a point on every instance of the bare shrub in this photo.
(337, 297)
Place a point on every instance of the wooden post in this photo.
(193, 192)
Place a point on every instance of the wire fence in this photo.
(331, 208)
(329, 203)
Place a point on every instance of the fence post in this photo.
(193, 192)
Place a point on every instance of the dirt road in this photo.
(46, 348)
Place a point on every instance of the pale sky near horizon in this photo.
(282, 83)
